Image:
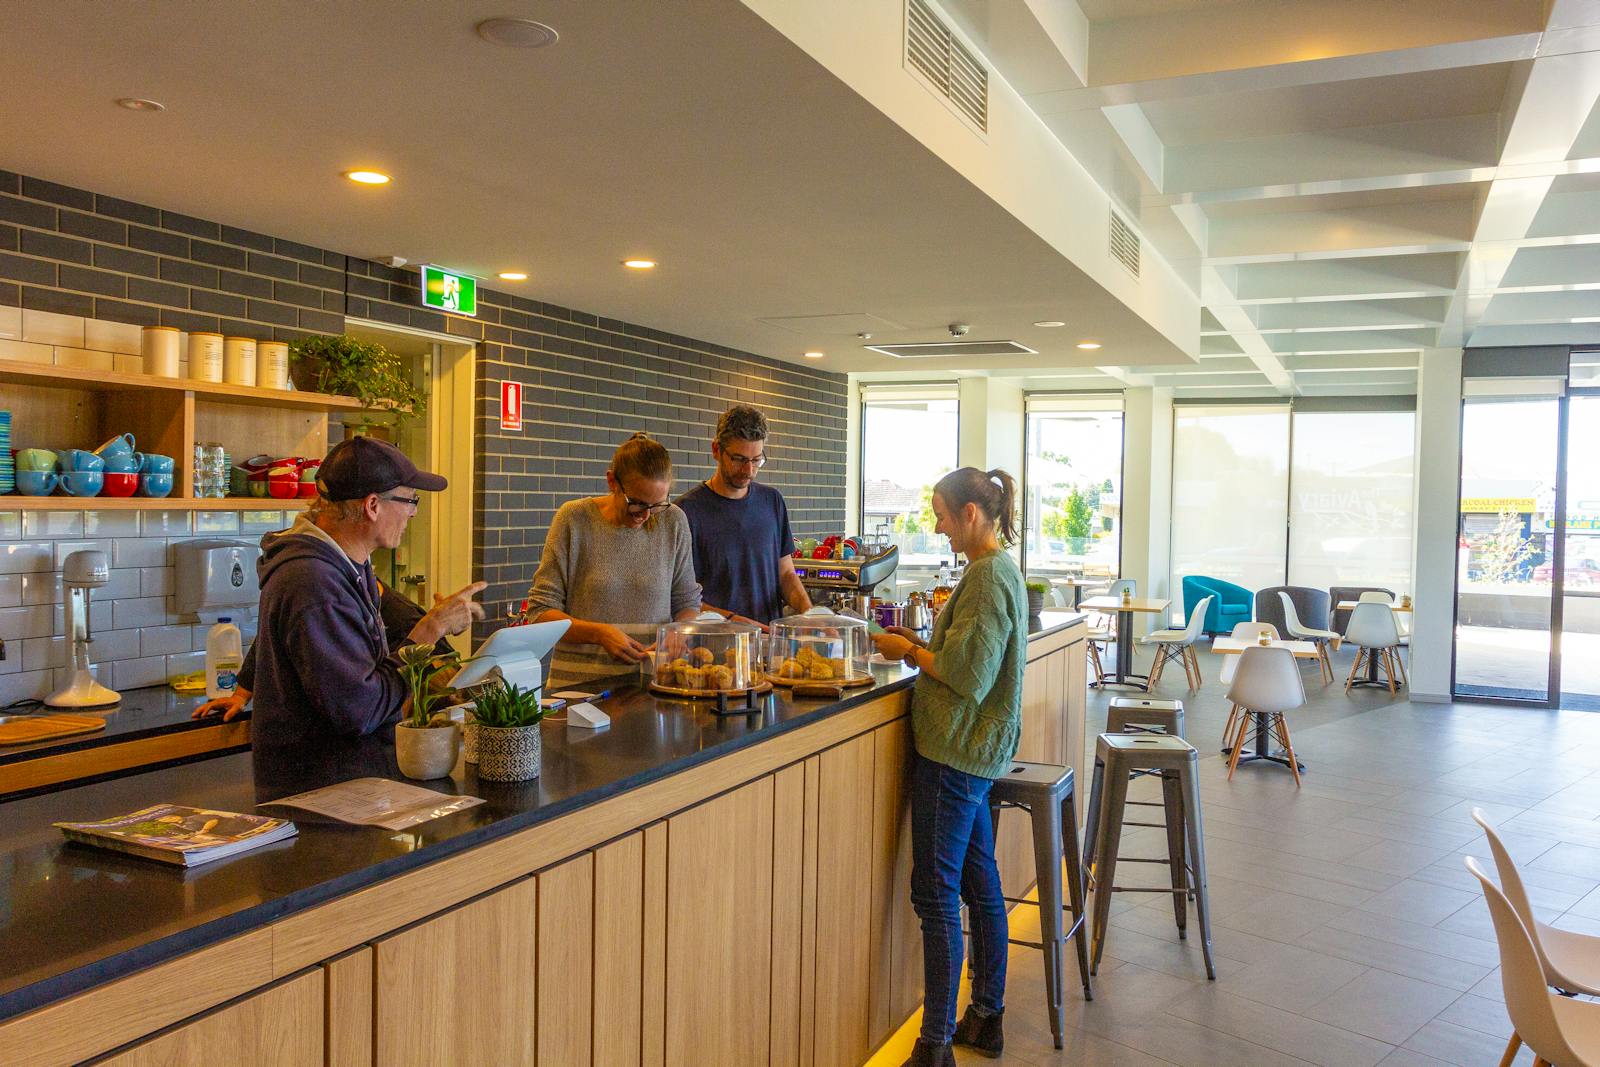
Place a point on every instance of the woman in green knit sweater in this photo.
(966, 718)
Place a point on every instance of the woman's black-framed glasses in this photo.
(639, 507)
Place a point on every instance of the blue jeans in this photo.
(952, 860)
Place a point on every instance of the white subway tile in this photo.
(163, 640)
(42, 524)
(140, 552)
(102, 523)
(155, 581)
(43, 653)
(263, 521)
(107, 646)
(139, 611)
(133, 673)
(113, 336)
(127, 364)
(124, 583)
(185, 663)
(26, 351)
(30, 685)
(12, 664)
(10, 322)
(100, 617)
(25, 557)
(25, 622)
(84, 359)
(164, 523)
(44, 588)
(10, 525)
(67, 548)
(216, 522)
(48, 328)
(10, 590)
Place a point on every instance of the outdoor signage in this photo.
(1494, 505)
(511, 405)
(445, 290)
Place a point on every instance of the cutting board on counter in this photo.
(26, 731)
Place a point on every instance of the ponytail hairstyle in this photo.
(640, 456)
(993, 492)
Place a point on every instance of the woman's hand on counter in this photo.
(893, 646)
(229, 707)
(909, 635)
(619, 644)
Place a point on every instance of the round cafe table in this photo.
(1125, 611)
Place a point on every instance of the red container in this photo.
(120, 485)
(283, 483)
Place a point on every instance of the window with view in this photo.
(1072, 486)
(908, 442)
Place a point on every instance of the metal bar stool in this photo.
(1143, 715)
(1116, 758)
(1045, 792)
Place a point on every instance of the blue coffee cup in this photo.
(83, 483)
(155, 463)
(37, 483)
(76, 459)
(120, 445)
(129, 464)
(155, 484)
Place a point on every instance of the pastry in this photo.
(719, 677)
(702, 657)
(692, 678)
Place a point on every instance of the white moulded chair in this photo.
(1321, 638)
(1571, 960)
(1374, 596)
(1560, 1030)
(1373, 631)
(1245, 631)
(1267, 682)
(1179, 644)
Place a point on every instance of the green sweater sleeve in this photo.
(974, 646)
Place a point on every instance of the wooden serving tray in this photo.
(849, 683)
(25, 731)
(712, 694)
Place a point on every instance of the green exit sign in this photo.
(445, 290)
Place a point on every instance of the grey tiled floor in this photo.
(1347, 931)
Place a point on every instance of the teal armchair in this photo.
(1231, 606)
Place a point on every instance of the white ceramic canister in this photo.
(239, 361)
(159, 345)
(272, 364)
(205, 357)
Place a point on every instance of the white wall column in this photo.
(1433, 567)
(1147, 491)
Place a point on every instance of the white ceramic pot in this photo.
(508, 754)
(425, 752)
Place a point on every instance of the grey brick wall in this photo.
(590, 381)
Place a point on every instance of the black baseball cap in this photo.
(363, 465)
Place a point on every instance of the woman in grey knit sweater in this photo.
(618, 566)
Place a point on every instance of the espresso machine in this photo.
(80, 572)
(847, 583)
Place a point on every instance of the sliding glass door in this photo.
(1230, 492)
(1072, 486)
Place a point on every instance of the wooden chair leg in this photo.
(1227, 729)
(1324, 665)
(1388, 667)
(1350, 679)
(1400, 661)
(1157, 667)
(1243, 727)
(1512, 1048)
(1194, 665)
(1282, 728)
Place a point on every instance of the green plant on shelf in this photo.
(420, 665)
(505, 707)
(366, 370)
(1036, 586)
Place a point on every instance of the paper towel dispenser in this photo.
(216, 577)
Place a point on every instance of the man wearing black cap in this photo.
(320, 666)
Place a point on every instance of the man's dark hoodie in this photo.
(320, 666)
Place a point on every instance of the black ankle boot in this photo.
(927, 1054)
(981, 1033)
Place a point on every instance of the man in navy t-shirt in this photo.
(743, 550)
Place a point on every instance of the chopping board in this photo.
(47, 727)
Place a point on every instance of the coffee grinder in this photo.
(80, 572)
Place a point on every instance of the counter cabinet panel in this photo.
(278, 1027)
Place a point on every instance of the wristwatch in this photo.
(910, 659)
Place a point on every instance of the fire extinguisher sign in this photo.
(511, 405)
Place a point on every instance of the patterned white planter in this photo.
(508, 754)
(469, 739)
(427, 752)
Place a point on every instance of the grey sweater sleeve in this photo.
(549, 589)
(685, 589)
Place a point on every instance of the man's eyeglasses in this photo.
(410, 501)
(745, 461)
(640, 507)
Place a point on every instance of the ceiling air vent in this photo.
(933, 51)
(1124, 244)
(928, 349)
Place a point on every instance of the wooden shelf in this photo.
(15, 501)
(13, 372)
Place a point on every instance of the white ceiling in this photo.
(687, 131)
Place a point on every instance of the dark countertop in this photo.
(142, 912)
(142, 713)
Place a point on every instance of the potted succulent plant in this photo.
(426, 741)
(1036, 594)
(507, 728)
(363, 369)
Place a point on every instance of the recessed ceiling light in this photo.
(134, 103)
(1049, 323)
(513, 276)
(517, 33)
(639, 264)
(367, 177)
(815, 355)
(1088, 346)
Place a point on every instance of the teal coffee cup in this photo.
(36, 459)
(120, 445)
(155, 484)
(124, 464)
(37, 483)
(76, 459)
(83, 483)
(156, 464)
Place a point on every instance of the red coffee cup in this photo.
(120, 485)
(283, 483)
